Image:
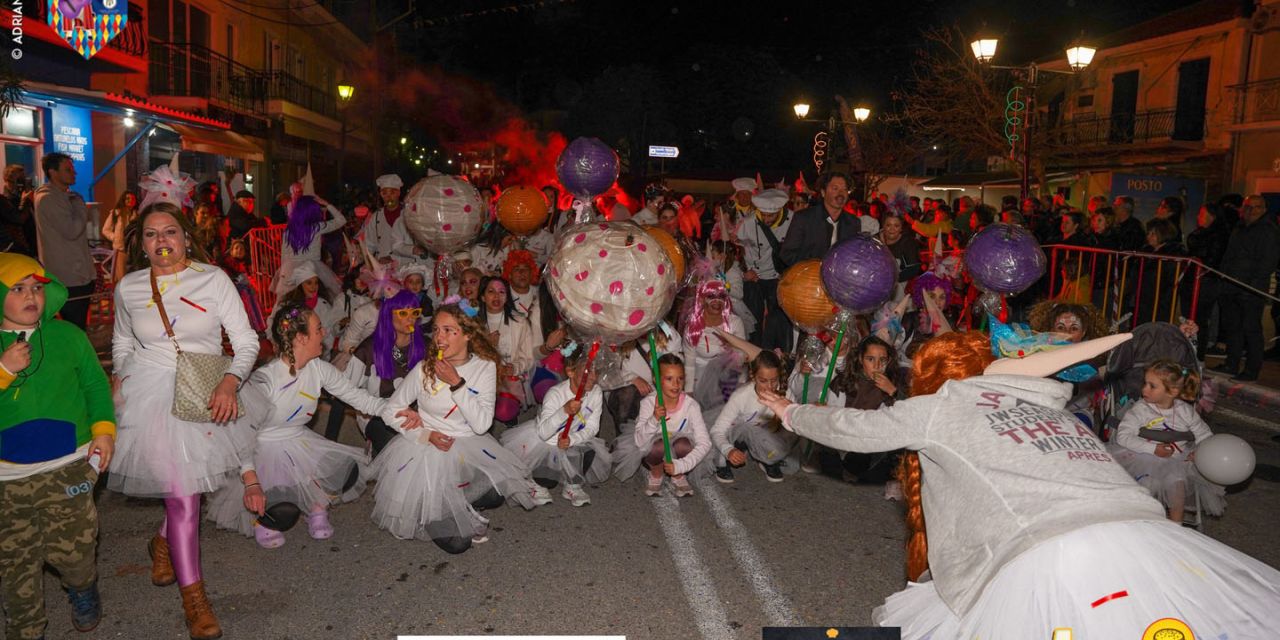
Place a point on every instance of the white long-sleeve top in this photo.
(201, 301)
(515, 341)
(552, 416)
(527, 304)
(1004, 468)
(757, 253)
(683, 421)
(279, 405)
(636, 365)
(329, 318)
(708, 348)
(385, 239)
(743, 406)
(364, 319)
(1181, 416)
(312, 251)
(465, 412)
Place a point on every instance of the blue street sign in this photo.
(663, 152)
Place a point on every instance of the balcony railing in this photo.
(185, 69)
(191, 70)
(1257, 101)
(1130, 128)
(284, 86)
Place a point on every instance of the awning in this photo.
(117, 104)
(221, 143)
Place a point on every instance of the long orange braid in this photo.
(950, 356)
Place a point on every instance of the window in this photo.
(21, 123)
(1085, 101)
(231, 42)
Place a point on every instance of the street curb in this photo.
(1246, 392)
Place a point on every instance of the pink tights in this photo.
(181, 528)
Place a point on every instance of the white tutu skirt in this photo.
(1167, 478)
(550, 463)
(307, 470)
(158, 455)
(628, 458)
(763, 444)
(1107, 580)
(425, 493)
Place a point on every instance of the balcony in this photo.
(193, 71)
(1257, 102)
(1147, 128)
(281, 85)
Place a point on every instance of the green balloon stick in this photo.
(657, 385)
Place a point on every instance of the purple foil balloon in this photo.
(859, 274)
(1004, 259)
(587, 167)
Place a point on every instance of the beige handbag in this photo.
(197, 373)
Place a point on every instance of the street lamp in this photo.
(1079, 56)
(345, 93)
(801, 109)
(861, 114)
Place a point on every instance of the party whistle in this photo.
(165, 251)
(439, 354)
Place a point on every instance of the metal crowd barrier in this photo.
(264, 261)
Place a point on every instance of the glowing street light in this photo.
(861, 114)
(801, 109)
(984, 49)
(346, 92)
(1079, 56)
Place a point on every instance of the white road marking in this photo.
(777, 608)
(708, 610)
(1253, 421)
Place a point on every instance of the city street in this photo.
(734, 558)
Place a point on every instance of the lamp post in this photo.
(345, 93)
(861, 114)
(1079, 56)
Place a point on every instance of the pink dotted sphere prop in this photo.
(444, 213)
(611, 281)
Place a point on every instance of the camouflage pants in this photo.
(46, 518)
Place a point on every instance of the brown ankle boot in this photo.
(161, 566)
(201, 623)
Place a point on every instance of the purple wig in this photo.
(927, 281)
(305, 217)
(384, 337)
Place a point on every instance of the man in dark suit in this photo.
(814, 230)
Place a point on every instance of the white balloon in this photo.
(1225, 459)
(444, 213)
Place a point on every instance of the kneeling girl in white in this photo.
(748, 428)
(293, 463)
(686, 430)
(554, 456)
(432, 480)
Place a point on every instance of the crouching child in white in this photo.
(554, 456)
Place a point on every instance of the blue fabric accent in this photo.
(38, 440)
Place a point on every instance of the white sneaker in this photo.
(540, 495)
(575, 495)
(893, 490)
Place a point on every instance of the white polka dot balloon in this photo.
(611, 280)
(444, 213)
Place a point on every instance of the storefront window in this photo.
(21, 123)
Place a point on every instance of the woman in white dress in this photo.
(302, 239)
(159, 455)
(305, 288)
(432, 481)
(510, 332)
(715, 369)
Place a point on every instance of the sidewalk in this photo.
(1265, 393)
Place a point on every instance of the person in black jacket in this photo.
(240, 218)
(1129, 229)
(1208, 243)
(1253, 252)
(816, 229)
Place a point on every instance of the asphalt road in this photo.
(734, 558)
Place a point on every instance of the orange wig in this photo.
(950, 356)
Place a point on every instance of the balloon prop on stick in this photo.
(612, 283)
(587, 168)
(669, 244)
(859, 274)
(444, 213)
(803, 297)
(841, 320)
(1225, 459)
(522, 210)
(811, 351)
(1006, 260)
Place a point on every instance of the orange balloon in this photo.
(803, 298)
(522, 210)
(672, 248)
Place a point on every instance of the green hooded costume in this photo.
(61, 400)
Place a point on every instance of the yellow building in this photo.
(1255, 127)
(1154, 114)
